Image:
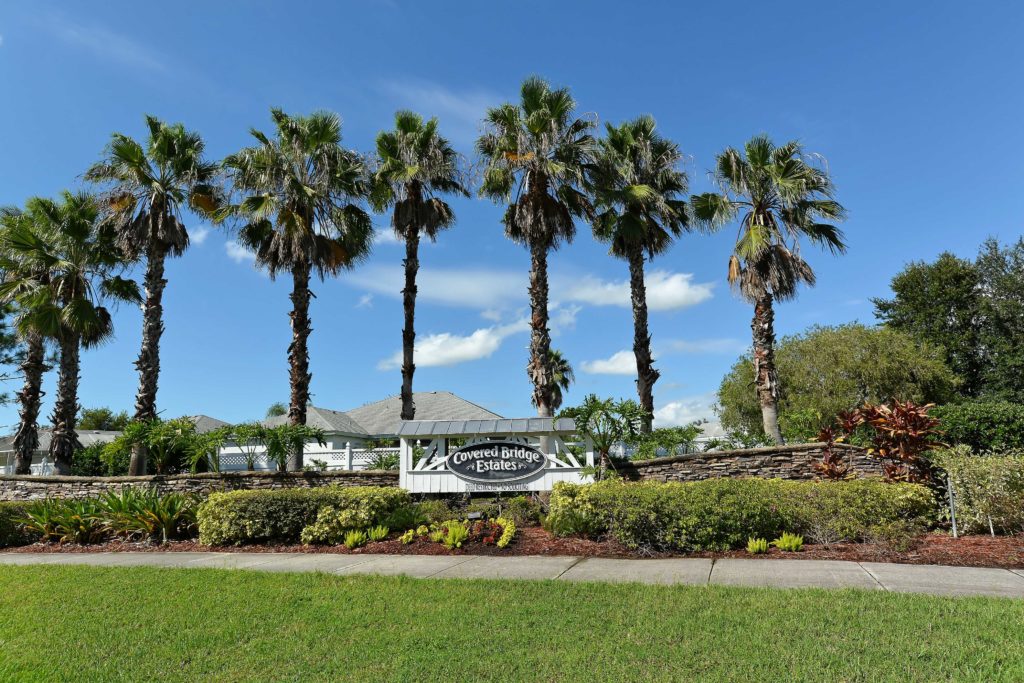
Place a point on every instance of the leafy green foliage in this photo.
(408, 537)
(67, 521)
(455, 534)
(333, 525)
(435, 511)
(983, 425)
(356, 538)
(606, 422)
(94, 461)
(279, 516)
(826, 370)
(989, 488)
(13, 531)
(377, 533)
(508, 532)
(171, 444)
(284, 441)
(757, 546)
(789, 543)
(103, 419)
(665, 441)
(147, 514)
(719, 514)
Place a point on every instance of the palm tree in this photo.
(301, 212)
(415, 164)
(148, 188)
(67, 269)
(636, 185)
(33, 363)
(562, 377)
(535, 155)
(779, 196)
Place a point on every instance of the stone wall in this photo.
(783, 462)
(31, 487)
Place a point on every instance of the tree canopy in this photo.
(829, 369)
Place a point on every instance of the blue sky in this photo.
(916, 107)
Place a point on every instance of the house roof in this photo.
(526, 425)
(205, 423)
(87, 437)
(333, 421)
(383, 418)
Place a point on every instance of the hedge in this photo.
(12, 532)
(982, 425)
(720, 514)
(279, 516)
(988, 489)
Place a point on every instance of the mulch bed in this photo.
(937, 548)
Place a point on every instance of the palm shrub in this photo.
(147, 189)
(78, 521)
(147, 514)
(637, 189)
(416, 164)
(13, 531)
(284, 443)
(779, 197)
(300, 206)
(535, 154)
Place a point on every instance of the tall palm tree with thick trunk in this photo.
(301, 209)
(415, 164)
(535, 155)
(33, 358)
(148, 188)
(637, 185)
(779, 195)
(68, 265)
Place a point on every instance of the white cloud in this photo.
(725, 345)
(562, 318)
(198, 235)
(1, 40)
(237, 253)
(686, 410)
(106, 44)
(621, 363)
(444, 349)
(471, 288)
(459, 112)
(365, 301)
(385, 236)
(665, 291)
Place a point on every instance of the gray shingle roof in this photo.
(87, 437)
(526, 425)
(205, 423)
(332, 421)
(383, 418)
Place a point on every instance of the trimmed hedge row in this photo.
(988, 489)
(982, 425)
(279, 516)
(12, 531)
(721, 514)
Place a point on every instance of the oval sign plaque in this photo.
(496, 461)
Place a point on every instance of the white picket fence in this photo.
(348, 458)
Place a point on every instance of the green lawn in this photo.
(92, 624)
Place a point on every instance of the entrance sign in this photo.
(469, 456)
(496, 461)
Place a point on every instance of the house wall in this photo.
(24, 487)
(781, 462)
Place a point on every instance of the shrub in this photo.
(12, 525)
(408, 537)
(521, 510)
(146, 513)
(455, 534)
(789, 543)
(718, 514)
(508, 532)
(757, 546)
(355, 539)
(983, 425)
(89, 462)
(333, 524)
(988, 488)
(67, 521)
(407, 517)
(377, 533)
(279, 516)
(435, 511)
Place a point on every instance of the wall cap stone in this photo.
(223, 476)
(763, 450)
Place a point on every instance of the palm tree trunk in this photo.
(298, 355)
(64, 441)
(148, 362)
(412, 265)
(540, 336)
(26, 439)
(765, 375)
(646, 375)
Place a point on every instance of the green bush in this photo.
(789, 543)
(279, 516)
(435, 511)
(719, 514)
(987, 487)
(982, 425)
(12, 527)
(92, 461)
(757, 546)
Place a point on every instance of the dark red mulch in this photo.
(937, 548)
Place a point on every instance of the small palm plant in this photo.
(535, 154)
(301, 212)
(637, 187)
(562, 377)
(779, 197)
(147, 189)
(416, 164)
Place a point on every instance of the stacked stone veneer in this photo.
(31, 487)
(781, 462)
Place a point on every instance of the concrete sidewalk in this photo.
(935, 580)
